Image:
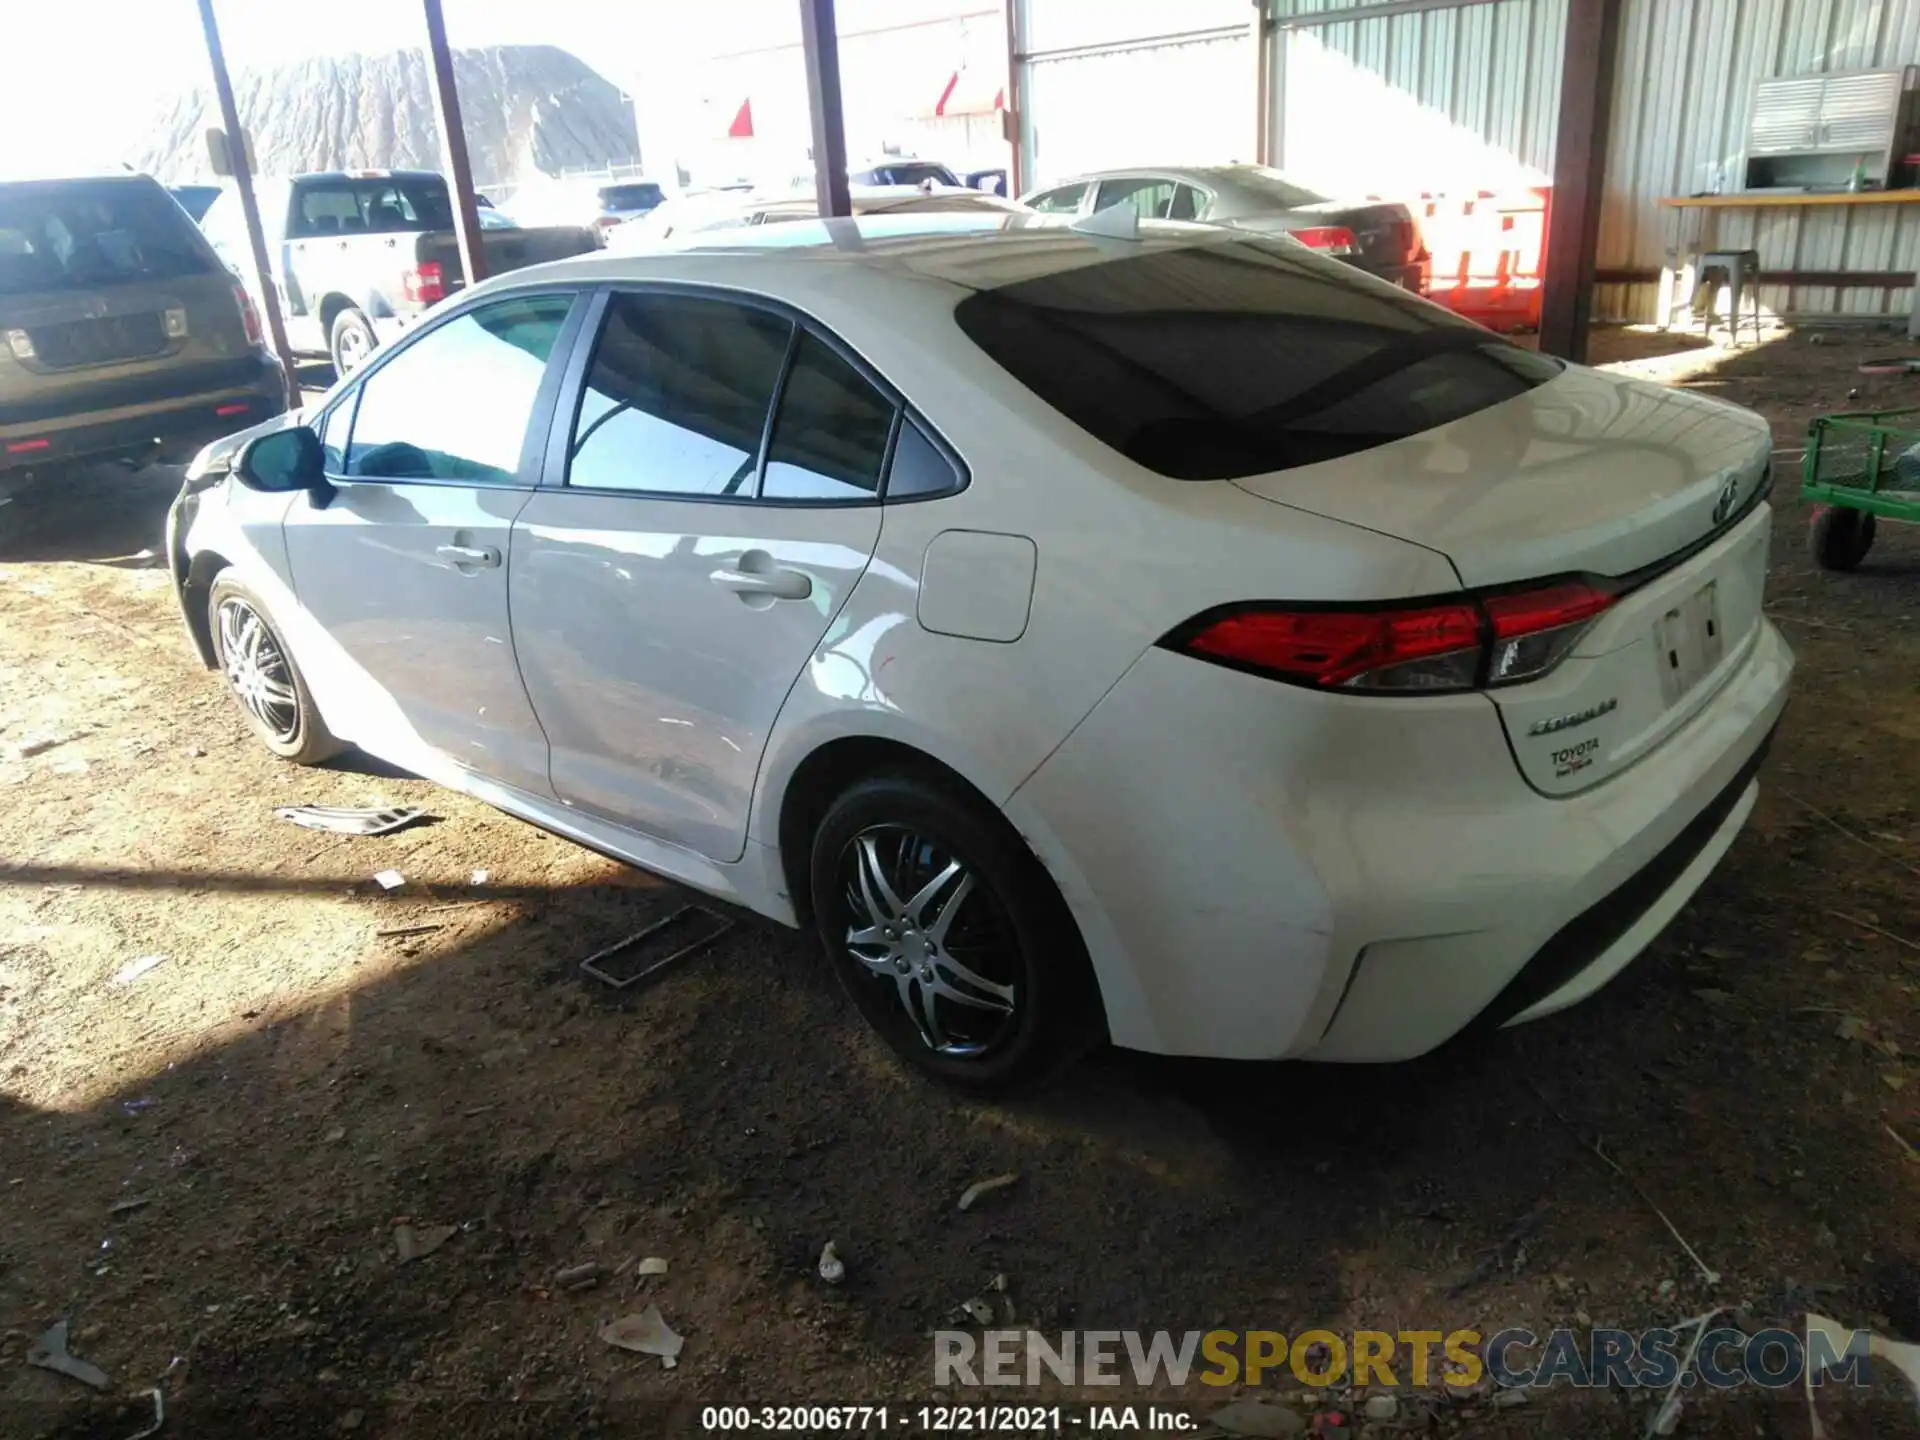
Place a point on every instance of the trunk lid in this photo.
(1386, 232)
(1645, 668)
(1649, 488)
(1589, 472)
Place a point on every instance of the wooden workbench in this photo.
(1756, 199)
(1686, 240)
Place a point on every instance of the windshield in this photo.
(1261, 180)
(1215, 361)
(630, 197)
(87, 234)
(915, 174)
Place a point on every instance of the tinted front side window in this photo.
(454, 404)
(677, 398)
(1214, 361)
(830, 435)
(333, 434)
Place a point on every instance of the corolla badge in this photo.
(1578, 717)
(1729, 498)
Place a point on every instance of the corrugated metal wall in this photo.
(1687, 72)
(1467, 96)
(1462, 97)
(1105, 83)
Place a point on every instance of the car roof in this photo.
(107, 177)
(970, 250)
(373, 174)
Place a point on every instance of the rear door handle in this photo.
(479, 557)
(758, 575)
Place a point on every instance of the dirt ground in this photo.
(203, 1167)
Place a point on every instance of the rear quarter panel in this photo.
(1122, 556)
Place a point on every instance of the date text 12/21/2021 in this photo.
(946, 1419)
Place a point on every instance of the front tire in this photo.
(351, 341)
(949, 936)
(1838, 538)
(262, 678)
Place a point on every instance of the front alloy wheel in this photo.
(263, 678)
(927, 931)
(257, 671)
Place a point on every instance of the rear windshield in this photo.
(86, 235)
(630, 197)
(385, 206)
(1215, 361)
(1259, 180)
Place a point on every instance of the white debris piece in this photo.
(134, 969)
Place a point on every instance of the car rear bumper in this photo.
(152, 414)
(1264, 871)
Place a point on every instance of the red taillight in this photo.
(1534, 629)
(23, 447)
(1334, 239)
(225, 411)
(249, 316)
(1457, 645)
(425, 285)
(1433, 647)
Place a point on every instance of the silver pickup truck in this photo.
(358, 255)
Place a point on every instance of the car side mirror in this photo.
(284, 461)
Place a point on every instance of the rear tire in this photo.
(950, 937)
(262, 678)
(351, 341)
(1838, 538)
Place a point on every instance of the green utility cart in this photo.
(1859, 466)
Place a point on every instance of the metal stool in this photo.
(1739, 271)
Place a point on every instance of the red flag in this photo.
(940, 105)
(742, 127)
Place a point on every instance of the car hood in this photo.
(1588, 472)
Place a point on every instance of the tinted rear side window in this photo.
(830, 434)
(678, 395)
(76, 235)
(1216, 361)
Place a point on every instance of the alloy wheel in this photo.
(354, 350)
(257, 671)
(924, 926)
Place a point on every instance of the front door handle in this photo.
(757, 575)
(479, 557)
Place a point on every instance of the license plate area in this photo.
(1690, 640)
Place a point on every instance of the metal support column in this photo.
(453, 146)
(1579, 175)
(1262, 83)
(249, 207)
(821, 39)
(1013, 119)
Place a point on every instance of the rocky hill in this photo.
(527, 108)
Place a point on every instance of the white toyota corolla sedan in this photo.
(1186, 639)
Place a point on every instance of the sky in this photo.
(91, 70)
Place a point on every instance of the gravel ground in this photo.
(203, 1168)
